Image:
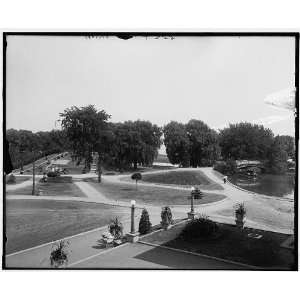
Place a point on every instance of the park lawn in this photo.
(186, 178)
(148, 194)
(33, 222)
(264, 252)
(20, 179)
(162, 158)
(51, 189)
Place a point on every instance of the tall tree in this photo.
(277, 158)
(177, 143)
(86, 129)
(288, 144)
(245, 141)
(204, 148)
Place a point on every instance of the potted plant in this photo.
(116, 230)
(240, 213)
(59, 254)
(166, 218)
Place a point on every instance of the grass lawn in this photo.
(19, 179)
(51, 189)
(149, 195)
(32, 222)
(190, 178)
(162, 158)
(232, 244)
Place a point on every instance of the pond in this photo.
(267, 184)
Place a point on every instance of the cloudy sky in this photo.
(214, 79)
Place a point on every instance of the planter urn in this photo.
(239, 220)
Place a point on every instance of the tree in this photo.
(136, 177)
(177, 143)
(288, 144)
(277, 158)
(245, 141)
(144, 224)
(204, 148)
(87, 130)
(134, 143)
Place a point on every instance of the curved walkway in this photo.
(263, 212)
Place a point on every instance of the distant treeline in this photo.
(128, 144)
(25, 145)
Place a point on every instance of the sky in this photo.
(218, 80)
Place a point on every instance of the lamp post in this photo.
(33, 174)
(133, 236)
(191, 214)
(132, 229)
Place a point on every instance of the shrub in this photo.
(226, 167)
(116, 228)
(201, 227)
(240, 213)
(59, 253)
(11, 179)
(136, 177)
(53, 174)
(166, 216)
(145, 224)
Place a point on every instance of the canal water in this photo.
(267, 184)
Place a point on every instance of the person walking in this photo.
(225, 179)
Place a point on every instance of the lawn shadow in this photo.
(168, 258)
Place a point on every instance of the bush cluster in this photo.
(198, 228)
(226, 167)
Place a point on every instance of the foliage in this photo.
(240, 209)
(136, 176)
(277, 158)
(133, 143)
(116, 228)
(144, 224)
(11, 179)
(287, 143)
(177, 143)
(198, 228)
(192, 144)
(166, 216)
(23, 144)
(59, 253)
(53, 174)
(228, 167)
(87, 130)
(245, 141)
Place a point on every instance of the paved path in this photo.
(141, 256)
(87, 252)
(263, 212)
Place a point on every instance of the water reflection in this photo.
(267, 184)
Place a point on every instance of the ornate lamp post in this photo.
(195, 194)
(191, 214)
(133, 236)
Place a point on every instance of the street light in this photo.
(191, 214)
(132, 203)
(133, 236)
(195, 194)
